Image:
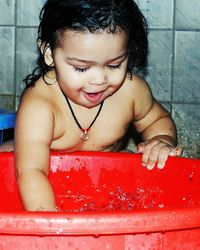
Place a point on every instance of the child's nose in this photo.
(99, 78)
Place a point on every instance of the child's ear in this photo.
(47, 53)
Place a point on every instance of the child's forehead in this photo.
(101, 46)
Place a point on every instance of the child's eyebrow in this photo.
(124, 55)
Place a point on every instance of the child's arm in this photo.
(156, 127)
(33, 135)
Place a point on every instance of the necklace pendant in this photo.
(84, 135)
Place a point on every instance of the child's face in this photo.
(90, 67)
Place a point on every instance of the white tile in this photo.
(159, 64)
(187, 14)
(7, 60)
(26, 55)
(28, 12)
(7, 12)
(158, 13)
(187, 117)
(186, 86)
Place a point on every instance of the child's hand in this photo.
(156, 151)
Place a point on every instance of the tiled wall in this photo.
(174, 62)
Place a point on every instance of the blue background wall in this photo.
(173, 70)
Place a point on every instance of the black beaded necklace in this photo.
(84, 134)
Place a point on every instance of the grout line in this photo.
(15, 55)
(177, 29)
(27, 26)
(173, 53)
(18, 26)
(181, 102)
(150, 28)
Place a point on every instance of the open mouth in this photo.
(93, 97)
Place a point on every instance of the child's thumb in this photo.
(176, 151)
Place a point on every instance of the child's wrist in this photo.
(164, 138)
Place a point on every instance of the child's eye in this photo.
(80, 69)
(114, 66)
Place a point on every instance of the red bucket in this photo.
(106, 201)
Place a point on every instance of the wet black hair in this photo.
(94, 16)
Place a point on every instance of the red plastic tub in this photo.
(107, 201)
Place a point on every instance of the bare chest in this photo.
(105, 134)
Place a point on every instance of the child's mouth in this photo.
(93, 97)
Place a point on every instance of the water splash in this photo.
(116, 200)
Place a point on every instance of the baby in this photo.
(84, 95)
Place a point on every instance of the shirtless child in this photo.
(84, 97)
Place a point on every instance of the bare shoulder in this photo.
(35, 114)
(36, 100)
(137, 84)
(40, 91)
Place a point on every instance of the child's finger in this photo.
(140, 147)
(176, 151)
(164, 153)
(150, 155)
